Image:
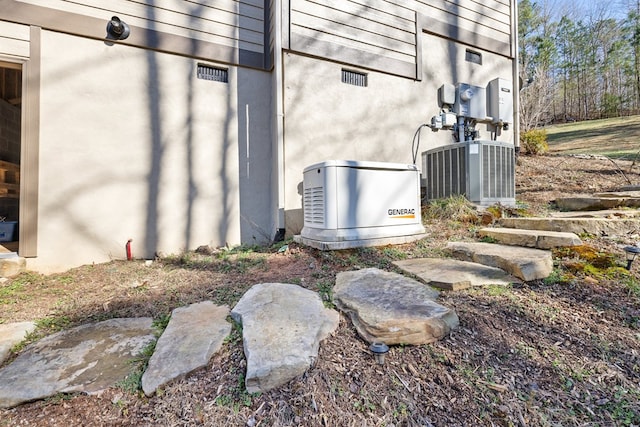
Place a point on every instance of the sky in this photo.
(580, 9)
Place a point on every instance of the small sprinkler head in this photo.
(379, 349)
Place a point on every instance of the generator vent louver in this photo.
(482, 171)
(314, 211)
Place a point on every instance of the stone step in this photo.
(193, 335)
(607, 213)
(282, 326)
(87, 359)
(391, 308)
(593, 226)
(531, 238)
(12, 334)
(598, 202)
(11, 264)
(453, 274)
(525, 263)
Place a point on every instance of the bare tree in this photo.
(536, 99)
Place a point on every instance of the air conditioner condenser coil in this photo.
(482, 171)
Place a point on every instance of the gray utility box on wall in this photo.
(482, 171)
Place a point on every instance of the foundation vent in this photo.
(354, 78)
(472, 56)
(215, 74)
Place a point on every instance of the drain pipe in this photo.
(278, 89)
(128, 249)
(516, 78)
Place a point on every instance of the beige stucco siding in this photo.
(132, 146)
(326, 119)
(14, 40)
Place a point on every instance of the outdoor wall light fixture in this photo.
(631, 252)
(117, 29)
(379, 349)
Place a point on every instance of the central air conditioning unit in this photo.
(482, 171)
(351, 203)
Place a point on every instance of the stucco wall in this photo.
(327, 119)
(134, 146)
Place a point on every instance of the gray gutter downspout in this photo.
(279, 119)
(516, 76)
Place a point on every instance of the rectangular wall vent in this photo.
(354, 78)
(473, 56)
(216, 74)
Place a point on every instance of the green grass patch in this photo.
(623, 408)
(225, 261)
(325, 289)
(10, 292)
(615, 137)
(497, 290)
(133, 382)
(394, 253)
(237, 396)
(53, 324)
(235, 336)
(19, 287)
(631, 284)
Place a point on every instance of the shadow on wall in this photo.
(158, 150)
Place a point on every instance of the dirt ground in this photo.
(559, 352)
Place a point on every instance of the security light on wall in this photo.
(117, 29)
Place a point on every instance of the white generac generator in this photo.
(355, 201)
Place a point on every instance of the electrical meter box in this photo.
(471, 102)
(357, 203)
(500, 101)
(446, 95)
